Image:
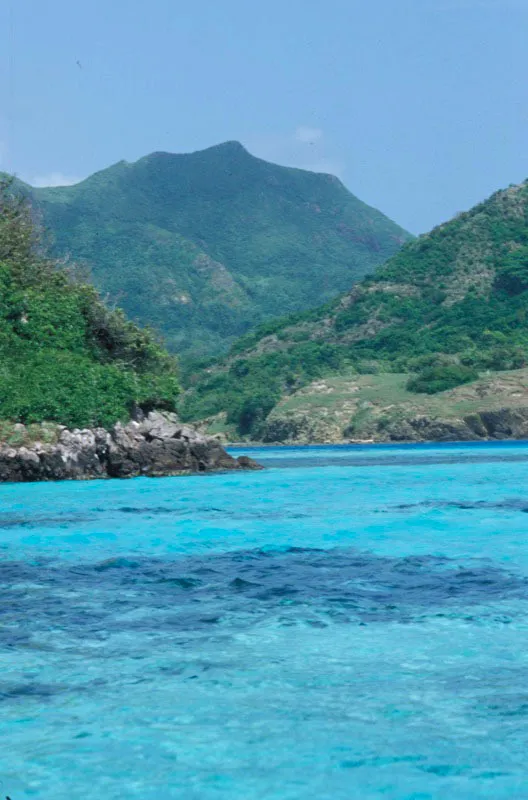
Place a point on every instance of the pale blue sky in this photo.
(420, 106)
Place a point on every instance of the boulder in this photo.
(248, 463)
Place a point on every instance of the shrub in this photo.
(431, 360)
(251, 411)
(64, 356)
(513, 274)
(439, 379)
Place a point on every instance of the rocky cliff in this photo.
(498, 424)
(156, 445)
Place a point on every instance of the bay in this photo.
(350, 622)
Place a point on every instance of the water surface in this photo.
(352, 622)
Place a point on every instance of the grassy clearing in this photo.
(387, 391)
(359, 402)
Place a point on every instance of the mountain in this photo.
(204, 246)
(439, 331)
(66, 358)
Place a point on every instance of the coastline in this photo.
(497, 425)
(155, 445)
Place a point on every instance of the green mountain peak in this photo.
(204, 246)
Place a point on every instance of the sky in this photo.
(419, 106)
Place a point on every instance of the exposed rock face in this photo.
(301, 429)
(155, 446)
(504, 423)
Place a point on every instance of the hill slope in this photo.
(449, 306)
(205, 246)
(64, 356)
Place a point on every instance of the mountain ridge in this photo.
(203, 246)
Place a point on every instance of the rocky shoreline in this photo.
(501, 424)
(155, 445)
(483, 426)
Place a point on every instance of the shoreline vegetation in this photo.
(84, 392)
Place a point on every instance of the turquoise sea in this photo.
(350, 623)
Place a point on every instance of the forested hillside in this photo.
(450, 306)
(205, 246)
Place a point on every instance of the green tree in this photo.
(65, 357)
(441, 378)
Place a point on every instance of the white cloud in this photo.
(54, 179)
(308, 135)
(327, 165)
(306, 148)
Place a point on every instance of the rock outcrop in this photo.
(301, 429)
(156, 445)
(489, 425)
(499, 424)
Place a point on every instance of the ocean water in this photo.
(350, 623)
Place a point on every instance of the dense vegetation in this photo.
(205, 246)
(440, 378)
(65, 357)
(446, 306)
